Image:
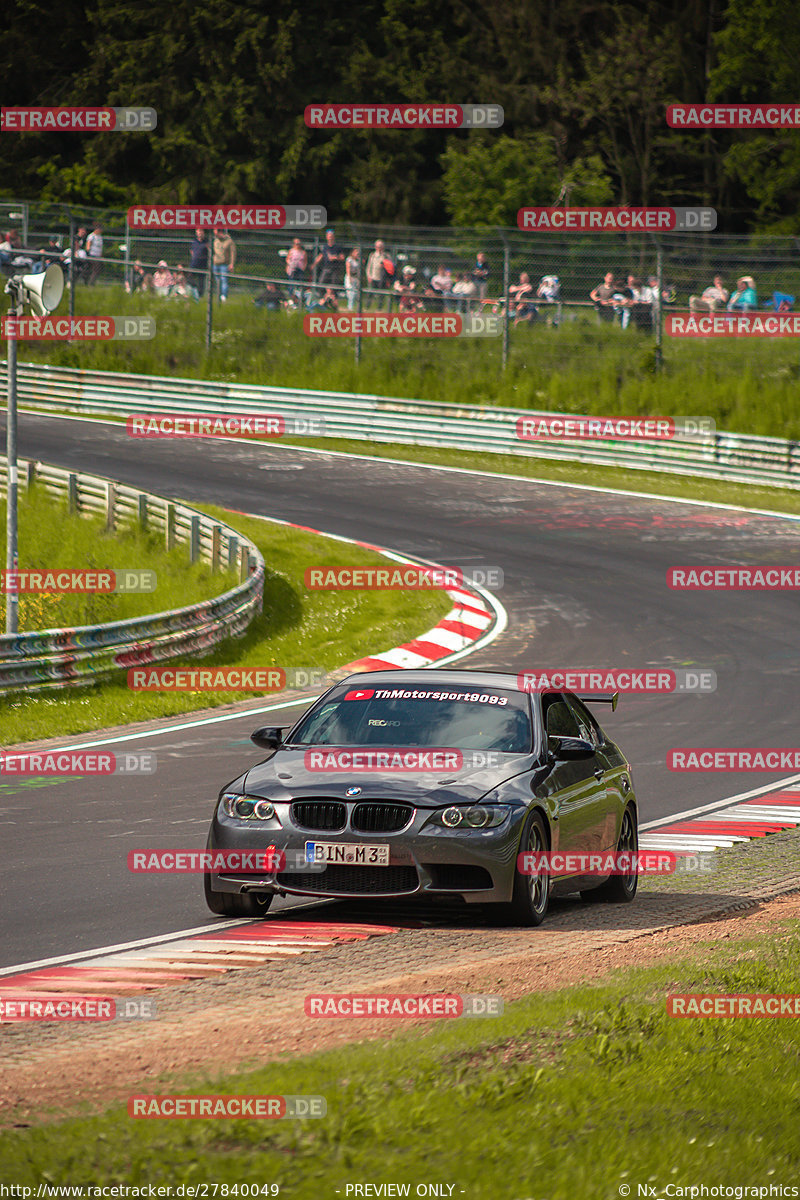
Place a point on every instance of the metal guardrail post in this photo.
(244, 564)
(30, 474)
(111, 506)
(194, 540)
(73, 500)
(169, 527)
(506, 305)
(233, 552)
(142, 510)
(216, 541)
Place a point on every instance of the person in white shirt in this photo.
(94, 250)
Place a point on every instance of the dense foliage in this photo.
(584, 85)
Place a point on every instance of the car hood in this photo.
(285, 776)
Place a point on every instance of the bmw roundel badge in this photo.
(353, 791)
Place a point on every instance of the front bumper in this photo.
(478, 865)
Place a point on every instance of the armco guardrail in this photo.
(732, 456)
(57, 658)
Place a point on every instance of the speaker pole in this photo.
(12, 557)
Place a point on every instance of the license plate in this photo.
(347, 852)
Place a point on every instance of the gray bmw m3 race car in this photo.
(426, 784)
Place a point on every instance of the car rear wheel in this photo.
(619, 889)
(531, 894)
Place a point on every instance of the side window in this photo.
(560, 721)
(589, 728)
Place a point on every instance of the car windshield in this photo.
(486, 719)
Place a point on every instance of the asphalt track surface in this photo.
(584, 586)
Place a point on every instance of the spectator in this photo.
(352, 267)
(49, 253)
(181, 288)
(480, 275)
(327, 301)
(332, 257)
(140, 280)
(405, 288)
(75, 262)
(631, 296)
(270, 297)
(224, 260)
(715, 296)
(745, 297)
(549, 289)
(376, 272)
(198, 261)
(163, 279)
(521, 297)
(10, 253)
(296, 264)
(602, 295)
(465, 288)
(81, 268)
(94, 252)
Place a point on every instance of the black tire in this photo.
(619, 889)
(214, 900)
(247, 904)
(531, 895)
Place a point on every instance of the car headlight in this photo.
(474, 816)
(247, 808)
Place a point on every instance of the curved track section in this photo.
(584, 586)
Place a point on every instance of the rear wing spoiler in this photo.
(599, 698)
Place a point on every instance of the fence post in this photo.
(194, 540)
(127, 267)
(31, 474)
(233, 553)
(169, 526)
(72, 272)
(244, 564)
(658, 314)
(358, 327)
(210, 302)
(216, 539)
(506, 272)
(142, 510)
(111, 506)
(72, 492)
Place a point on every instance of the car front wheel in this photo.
(531, 894)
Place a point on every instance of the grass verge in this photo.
(750, 386)
(52, 539)
(297, 628)
(585, 1091)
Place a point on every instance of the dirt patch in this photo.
(249, 1018)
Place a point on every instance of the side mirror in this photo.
(269, 737)
(569, 748)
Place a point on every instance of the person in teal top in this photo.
(745, 296)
